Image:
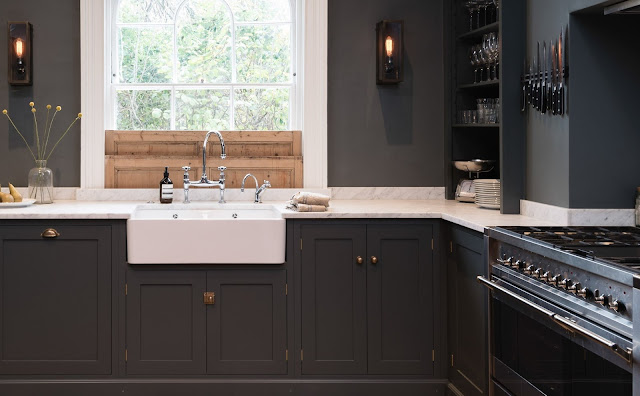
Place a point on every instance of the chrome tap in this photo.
(259, 190)
(204, 181)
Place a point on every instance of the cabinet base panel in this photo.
(197, 387)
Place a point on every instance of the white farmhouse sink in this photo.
(206, 234)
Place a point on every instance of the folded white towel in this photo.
(306, 208)
(307, 198)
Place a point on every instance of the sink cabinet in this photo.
(467, 308)
(55, 309)
(172, 331)
(366, 298)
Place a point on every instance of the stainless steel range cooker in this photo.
(562, 310)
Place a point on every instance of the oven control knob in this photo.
(616, 306)
(553, 280)
(530, 270)
(564, 284)
(600, 299)
(517, 264)
(584, 293)
(574, 288)
(505, 261)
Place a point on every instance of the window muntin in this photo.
(204, 64)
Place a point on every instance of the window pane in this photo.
(261, 10)
(151, 11)
(137, 109)
(144, 56)
(203, 110)
(204, 42)
(262, 109)
(263, 53)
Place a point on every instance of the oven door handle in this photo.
(567, 324)
(496, 287)
(574, 327)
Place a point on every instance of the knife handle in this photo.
(543, 97)
(561, 100)
(554, 100)
(524, 96)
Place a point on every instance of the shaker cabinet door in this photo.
(246, 325)
(166, 327)
(399, 303)
(55, 307)
(468, 312)
(334, 306)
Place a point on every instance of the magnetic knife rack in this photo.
(533, 79)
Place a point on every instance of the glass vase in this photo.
(41, 183)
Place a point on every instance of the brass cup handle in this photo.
(374, 260)
(50, 233)
(359, 260)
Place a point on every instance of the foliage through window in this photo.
(203, 64)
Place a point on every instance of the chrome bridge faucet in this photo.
(259, 190)
(204, 181)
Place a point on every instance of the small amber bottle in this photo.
(166, 188)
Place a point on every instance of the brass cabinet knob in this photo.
(209, 298)
(359, 260)
(50, 233)
(374, 260)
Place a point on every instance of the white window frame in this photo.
(310, 116)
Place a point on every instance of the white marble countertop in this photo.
(464, 214)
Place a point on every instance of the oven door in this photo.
(538, 348)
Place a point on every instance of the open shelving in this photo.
(503, 141)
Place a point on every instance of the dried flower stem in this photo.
(23, 139)
(63, 135)
(35, 130)
(48, 133)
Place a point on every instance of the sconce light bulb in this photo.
(19, 48)
(388, 44)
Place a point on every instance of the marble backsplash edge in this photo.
(578, 217)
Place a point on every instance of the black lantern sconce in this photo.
(20, 54)
(389, 62)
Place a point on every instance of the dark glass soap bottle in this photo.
(166, 188)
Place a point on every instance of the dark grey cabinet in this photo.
(247, 325)
(365, 299)
(467, 307)
(334, 299)
(55, 310)
(172, 329)
(166, 322)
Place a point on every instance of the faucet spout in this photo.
(223, 153)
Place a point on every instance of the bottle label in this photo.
(167, 191)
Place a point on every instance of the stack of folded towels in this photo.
(309, 202)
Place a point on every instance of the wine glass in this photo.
(475, 62)
(496, 3)
(486, 51)
(472, 6)
(494, 45)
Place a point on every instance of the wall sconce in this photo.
(389, 62)
(20, 53)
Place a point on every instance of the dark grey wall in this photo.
(604, 133)
(588, 158)
(385, 135)
(56, 81)
(547, 170)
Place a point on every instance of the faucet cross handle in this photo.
(267, 183)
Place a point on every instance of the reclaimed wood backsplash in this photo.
(136, 159)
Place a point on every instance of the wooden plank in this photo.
(134, 159)
(145, 172)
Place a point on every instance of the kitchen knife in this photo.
(549, 76)
(561, 66)
(530, 83)
(543, 84)
(536, 99)
(554, 78)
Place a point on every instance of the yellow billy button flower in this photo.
(48, 107)
(79, 115)
(4, 111)
(33, 110)
(58, 108)
(31, 104)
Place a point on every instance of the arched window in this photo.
(204, 64)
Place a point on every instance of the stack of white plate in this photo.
(487, 193)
